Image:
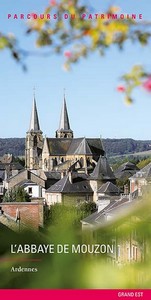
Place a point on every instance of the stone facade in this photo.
(63, 151)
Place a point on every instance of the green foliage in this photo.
(82, 34)
(134, 79)
(120, 183)
(125, 146)
(70, 214)
(20, 160)
(15, 146)
(143, 163)
(75, 271)
(87, 207)
(17, 194)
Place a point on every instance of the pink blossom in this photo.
(121, 88)
(53, 2)
(67, 54)
(147, 85)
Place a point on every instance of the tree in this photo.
(79, 33)
(17, 194)
(144, 163)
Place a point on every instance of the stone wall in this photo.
(23, 176)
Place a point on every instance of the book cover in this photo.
(75, 148)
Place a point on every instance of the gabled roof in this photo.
(83, 148)
(109, 188)
(116, 208)
(52, 175)
(126, 170)
(58, 146)
(65, 186)
(11, 166)
(145, 172)
(73, 146)
(26, 182)
(34, 121)
(102, 170)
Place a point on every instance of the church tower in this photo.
(64, 130)
(34, 141)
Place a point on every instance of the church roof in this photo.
(34, 121)
(64, 119)
(73, 146)
(58, 146)
(83, 148)
(102, 170)
(65, 186)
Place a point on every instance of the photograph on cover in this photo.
(75, 144)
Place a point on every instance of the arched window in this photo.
(81, 161)
(45, 163)
(55, 161)
(35, 141)
(88, 161)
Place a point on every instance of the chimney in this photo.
(126, 189)
(63, 173)
(70, 176)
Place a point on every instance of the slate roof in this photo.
(8, 161)
(34, 121)
(75, 143)
(65, 186)
(64, 119)
(102, 170)
(26, 183)
(12, 166)
(126, 170)
(2, 175)
(114, 208)
(145, 172)
(52, 175)
(83, 148)
(58, 146)
(96, 146)
(71, 146)
(109, 188)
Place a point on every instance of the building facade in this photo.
(63, 151)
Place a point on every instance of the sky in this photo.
(95, 107)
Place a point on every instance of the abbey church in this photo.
(63, 152)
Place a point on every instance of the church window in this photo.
(55, 161)
(35, 141)
(81, 161)
(88, 161)
(45, 162)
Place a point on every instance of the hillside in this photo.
(15, 146)
(126, 146)
(113, 147)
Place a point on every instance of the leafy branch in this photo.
(79, 34)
